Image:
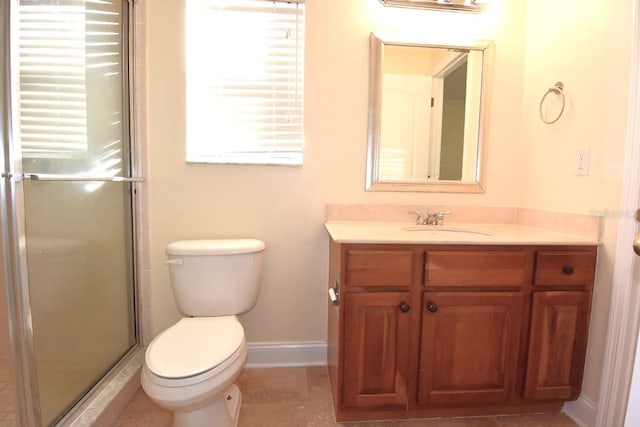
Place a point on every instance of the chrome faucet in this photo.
(435, 218)
(420, 219)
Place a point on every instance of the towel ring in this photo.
(557, 89)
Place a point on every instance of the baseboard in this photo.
(286, 354)
(583, 411)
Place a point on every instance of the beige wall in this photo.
(529, 164)
(587, 46)
(284, 206)
(411, 59)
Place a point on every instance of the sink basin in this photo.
(444, 231)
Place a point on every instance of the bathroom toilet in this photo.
(191, 367)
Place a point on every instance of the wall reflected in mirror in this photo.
(425, 115)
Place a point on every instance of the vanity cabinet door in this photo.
(557, 345)
(469, 347)
(377, 332)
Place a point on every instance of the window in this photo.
(244, 78)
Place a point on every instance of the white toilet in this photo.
(191, 368)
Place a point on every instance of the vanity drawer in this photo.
(477, 268)
(379, 267)
(574, 268)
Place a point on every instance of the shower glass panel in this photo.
(73, 120)
(79, 263)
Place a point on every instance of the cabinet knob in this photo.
(404, 307)
(432, 307)
(567, 269)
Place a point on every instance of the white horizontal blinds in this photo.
(52, 96)
(104, 62)
(245, 81)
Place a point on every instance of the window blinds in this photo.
(53, 104)
(244, 77)
(68, 51)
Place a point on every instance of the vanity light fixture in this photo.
(457, 5)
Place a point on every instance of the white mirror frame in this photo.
(373, 183)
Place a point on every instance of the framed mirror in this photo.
(427, 116)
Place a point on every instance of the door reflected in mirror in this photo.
(425, 116)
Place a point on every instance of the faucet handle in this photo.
(420, 219)
(440, 216)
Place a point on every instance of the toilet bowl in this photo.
(191, 367)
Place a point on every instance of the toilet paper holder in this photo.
(334, 294)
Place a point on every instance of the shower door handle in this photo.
(636, 241)
(54, 177)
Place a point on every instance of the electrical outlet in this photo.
(582, 161)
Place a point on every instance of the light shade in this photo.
(456, 5)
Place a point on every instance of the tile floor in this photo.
(296, 397)
(7, 398)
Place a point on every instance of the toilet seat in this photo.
(194, 346)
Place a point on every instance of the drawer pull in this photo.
(404, 307)
(567, 269)
(432, 307)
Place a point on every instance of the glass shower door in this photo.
(73, 169)
(80, 285)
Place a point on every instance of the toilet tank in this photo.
(215, 277)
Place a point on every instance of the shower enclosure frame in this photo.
(12, 216)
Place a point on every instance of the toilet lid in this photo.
(194, 345)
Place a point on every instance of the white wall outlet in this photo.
(582, 160)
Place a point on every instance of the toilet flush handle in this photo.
(174, 261)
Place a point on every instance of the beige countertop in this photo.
(450, 233)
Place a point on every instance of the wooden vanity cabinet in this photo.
(561, 304)
(376, 363)
(379, 324)
(471, 324)
(557, 345)
(434, 330)
(468, 340)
